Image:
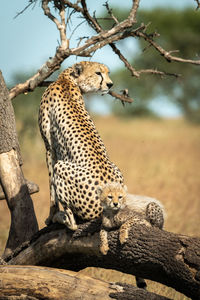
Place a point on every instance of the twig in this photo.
(120, 31)
(23, 10)
(156, 72)
(110, 12)
(60, 25)
(166, 54)
(88, 17)
(125, 61)
(198, 4)
(122, 97)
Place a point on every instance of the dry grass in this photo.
(158, 158)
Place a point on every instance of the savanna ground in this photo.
(158, 158)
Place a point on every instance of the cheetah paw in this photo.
(62, 218)
(48, 221)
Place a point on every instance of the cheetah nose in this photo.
(109, 85)
(115, 204)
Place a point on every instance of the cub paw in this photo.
(123, 236)
(104, 249)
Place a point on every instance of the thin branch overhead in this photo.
(129, 27)
(198, 4)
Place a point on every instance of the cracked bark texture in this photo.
(11, 177)
(33, 283)
(168, 258)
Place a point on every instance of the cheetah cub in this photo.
(122, 210)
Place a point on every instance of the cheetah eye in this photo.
(98, 73)
(120, 197)
(110, 197)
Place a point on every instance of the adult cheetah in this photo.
(76, 156)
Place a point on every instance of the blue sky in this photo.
(30, 39)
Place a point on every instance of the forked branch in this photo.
(120, 31)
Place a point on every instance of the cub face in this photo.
(113, 196)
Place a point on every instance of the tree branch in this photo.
(167, 54)
(120, 31)
(46, 283)
(32, 189)
(198, 4)
(60, 25)
(150, 253)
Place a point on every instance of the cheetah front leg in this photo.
(65, 217)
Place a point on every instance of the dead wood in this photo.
(32, 189)
(23, 220)
(30, 282)
(168, 258)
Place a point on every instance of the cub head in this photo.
(112, 196)
(92, 77)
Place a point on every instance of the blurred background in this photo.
(155, 141)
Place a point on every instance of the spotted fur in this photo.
(76, 156)
(122, 210)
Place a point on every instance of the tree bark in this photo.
(23, 220)
(32, 189)
(168, 258)
(20, 282)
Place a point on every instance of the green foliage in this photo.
(179, 30)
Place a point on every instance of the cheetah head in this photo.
(92, 77)
(112, 196)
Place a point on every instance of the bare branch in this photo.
(198, 4)
(91, 45)
(90, 20)
(61, 26)
(133, 11)
(166, 54)
(157, 72)
(120, 31)
(122, 97)
(125, 61)
(111, 13)
(23, 10)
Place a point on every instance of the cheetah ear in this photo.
(99, 190)
(78, 69)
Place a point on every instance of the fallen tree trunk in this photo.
(21, 282)
(168, 258)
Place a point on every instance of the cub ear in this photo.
(78, 69)
(125, 188)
